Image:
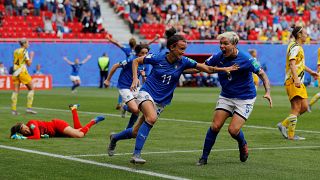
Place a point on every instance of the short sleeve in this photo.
(26, 56)
(254, 65)
(123, 63)
(294, 52)
(212, 60)
(190, 63)
(150, 59)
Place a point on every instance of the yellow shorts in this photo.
(23, 78)
(293, 91)
(255, 78)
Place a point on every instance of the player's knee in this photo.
(151, 119)
(233, 131)
(135, 110)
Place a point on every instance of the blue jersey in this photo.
(128, 51)
(75, 69)
(125, 77)
(164, 76)
(239, 84)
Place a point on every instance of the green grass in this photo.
(195, 105)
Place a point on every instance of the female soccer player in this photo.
(157, 91)
(21, 75)
(253, 53)
(74, 77)
(296, 91)
(237, 96)
(36, 129)
(316, 97)
(125, 81)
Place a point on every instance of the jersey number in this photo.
(166, 78)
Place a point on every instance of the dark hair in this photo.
(132, 42)
(22, 41)
(296, 30)
(16, 129)
(174, 39)
(139, 47)
(170, 32)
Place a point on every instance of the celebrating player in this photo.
(237, 96)
(296, 91)
(74, 77)
(35, 129)
(21, 76)
(157, 91)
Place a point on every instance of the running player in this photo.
(253, 53)
(237, 96)
(35, 129)
(74, 77)
(20, 75)
(296, 91)
(125, 81)
(157, 91)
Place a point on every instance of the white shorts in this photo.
(75, 78)
(127, 95)
(145, 96)
(239, 106)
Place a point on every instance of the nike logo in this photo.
(161, 65)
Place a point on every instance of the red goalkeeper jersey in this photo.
(52, 128)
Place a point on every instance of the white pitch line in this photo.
(172, 120)
(150, 173)
(193, 151)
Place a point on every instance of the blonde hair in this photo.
(231, 36)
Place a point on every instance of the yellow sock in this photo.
(292, 126)
(285, 122)
(314, 99)
(30, 98)
(14, 100)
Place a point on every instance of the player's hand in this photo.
(297, 83)
(46, 136)
(234, 67)
(16, 136)
(135, 84)
(268, 97)
(107, 83)
(315, 75)
(65, 58)
(89, 56)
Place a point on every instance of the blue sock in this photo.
(142, 137)
(240, 139)
(125, 134)
(119, 99)
(132, 120)
(208, 143)
(125, 107)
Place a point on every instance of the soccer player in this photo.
(36, 129)
(296, 91)
(125, 81)
(20, 75)
(74, 77)
(253, 53)
(129, 51)
(237, 96)
(316, 97)
(157, 91)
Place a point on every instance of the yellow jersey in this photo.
(295, 52)
(20, 57)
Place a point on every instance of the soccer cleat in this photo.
(112, 145)
(15, 113)
(202, 162)
(74, 106)
(136, 159)
(30, 111)
(243, 153)
(296, 138)
(99, 119)
(283, 130)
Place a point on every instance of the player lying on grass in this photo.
(36, 129)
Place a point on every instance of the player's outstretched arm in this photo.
(135, 80)
(266, 83)
(210, 69)
(314, 74)
(154, 39)
(114, 41)
(67, 60)
(112, 71)
(86, 59)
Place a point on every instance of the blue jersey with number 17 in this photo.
(164, 76)
(238, 84)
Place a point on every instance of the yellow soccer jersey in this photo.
(20, 57)
(296, 53)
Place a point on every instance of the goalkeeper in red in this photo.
(36, 129)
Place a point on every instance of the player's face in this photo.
(25, 130)
(304, 35)
(179, 49)
(143, 52)
(76, 61)
(226, 47)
